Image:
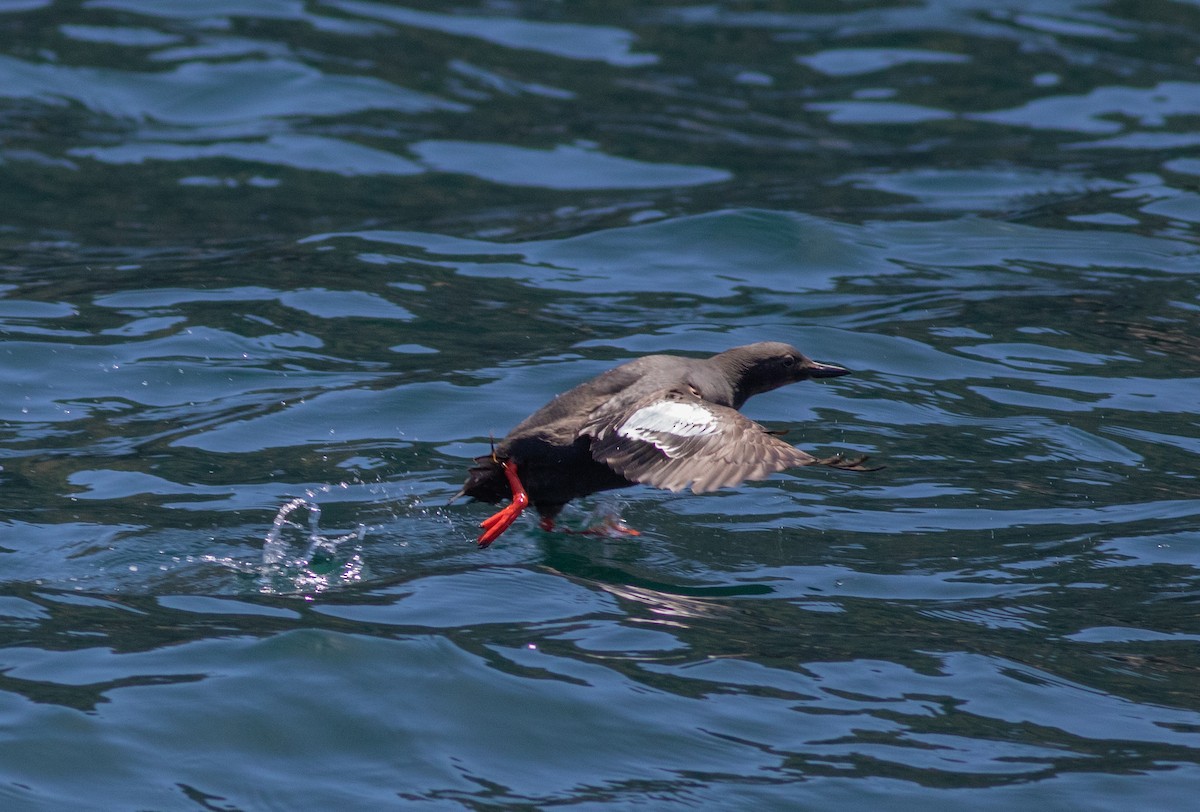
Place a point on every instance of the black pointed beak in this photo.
(819, 370)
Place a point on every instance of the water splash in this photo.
(320, 564)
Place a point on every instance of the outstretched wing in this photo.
(674, 439)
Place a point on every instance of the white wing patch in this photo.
(663, 420)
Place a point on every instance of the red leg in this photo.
(500, 521)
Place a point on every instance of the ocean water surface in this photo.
(272, 273)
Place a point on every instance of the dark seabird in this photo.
(661, 420)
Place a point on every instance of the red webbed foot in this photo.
(500, 521)
(612, 526)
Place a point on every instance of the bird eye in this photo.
(789, 361)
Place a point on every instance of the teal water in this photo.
(271, 273)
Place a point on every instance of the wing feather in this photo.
(674, 439)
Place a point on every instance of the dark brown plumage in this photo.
(660, 420)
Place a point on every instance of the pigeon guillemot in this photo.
(660, 420)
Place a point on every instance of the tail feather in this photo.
(485, 481)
